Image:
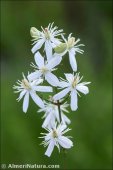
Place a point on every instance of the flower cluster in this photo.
(55, 47)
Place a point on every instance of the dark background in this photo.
(91, 124)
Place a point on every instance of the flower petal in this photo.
(37, 46)
(47, 120)
(69, 77)
(83, 89)
(43, 88)
(48, 50)
(21, 95)
(35, 75)
(26, 102)
(39, 60)
(74, 100)
(61, 94)
(63, 84)
(37, 99)
(65, 119)
(72, 61)
(51, 79)
(54, 62)
(50, 148)
(65, 142)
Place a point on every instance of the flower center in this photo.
(54, 134)
(26, 84)
(44, 70)
(71, 42)
(47, 34)
(75, 82)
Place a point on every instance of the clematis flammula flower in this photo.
(48, 37)
(72, 86)
(71, 47)
(52, 114)
(55, 137)
(44, 69)
(27, 88)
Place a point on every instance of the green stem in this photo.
(59, 111)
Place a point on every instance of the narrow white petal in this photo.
(72, 61)
(74, 100)
(61, 128)
(50, 148)
(47, 120)
(21, 95)
(51, 79)
(65, 119)
(26, 102)
(35, 75)
(54, 62)
(37, 99)
(83, 89)
(65, 142)
(63, 84)
(61, 94)
(37, 46)
(69, 77)
(39, 60)
(43, 88)
(48, 50)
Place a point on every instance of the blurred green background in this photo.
(91, 123)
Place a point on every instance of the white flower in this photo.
(48, 36)
(71, 47)
(55, 137)
(72, 86)
(45, 69)
(52, 114)
(27, 88)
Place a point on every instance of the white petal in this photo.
(48, 50)
(63, 84)
(54, 62)
(72, 61)
(61, 94)
(43, 88)
(83, 89)
(69, 77)
(65, 142)
(26, 102)
(61, 128)
(39, 60)
(74, 100)
(51, 79)
(37, 99)
(47, 120)
(35, 75)
(50, 148)
(21, 95)
(37, 46)
(65, 119)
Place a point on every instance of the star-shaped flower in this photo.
(45, 68)
(70, 46)
(52, 114)
(48, 37)
(27, 88)
(72, 86)
(55, 137)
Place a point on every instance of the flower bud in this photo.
(34, 32)
(60, 48)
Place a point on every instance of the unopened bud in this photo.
(60, 48)
(34, 32)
